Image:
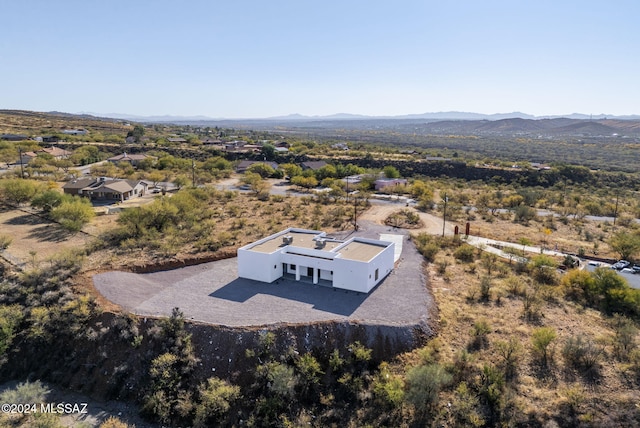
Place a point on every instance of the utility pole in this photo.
(193, 172)
(444, 213)
(615, 211)
(21, 164)
(355, 212)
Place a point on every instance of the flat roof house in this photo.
(357, 264)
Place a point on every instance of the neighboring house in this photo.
(281, 144)
(437, 159)
(134, 160)
(245, 164)
(357, 264)
(313, 165)
(50, 139)
(105, 188)
(13, 137)
(381, 183)
(177, 140)
(281, 149)
(56, 152)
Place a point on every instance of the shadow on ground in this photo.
(326, 299)
(49, 232)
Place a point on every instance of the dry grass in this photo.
(543, 231)
(36, 239)
(19, 122)
(539, 391)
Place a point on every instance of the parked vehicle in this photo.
(636, 268)
(621, 264)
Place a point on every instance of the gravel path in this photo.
(213, 293)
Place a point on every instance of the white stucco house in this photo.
(357, 264)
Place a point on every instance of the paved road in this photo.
(213, 293)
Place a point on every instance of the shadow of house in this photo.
(325, 299)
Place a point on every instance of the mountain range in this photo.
(452, 115)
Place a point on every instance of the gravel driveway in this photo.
(212, 293)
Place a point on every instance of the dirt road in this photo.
(379, 211)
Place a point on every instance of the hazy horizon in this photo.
(238, 60)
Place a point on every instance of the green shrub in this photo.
(465, 253)
(388, 388)
(424, 384)
(215, 398)
(541, 340)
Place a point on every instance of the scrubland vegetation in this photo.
(519, 343)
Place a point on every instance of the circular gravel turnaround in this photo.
(212, 293)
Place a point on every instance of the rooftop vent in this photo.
(320, 243)
(287, 240)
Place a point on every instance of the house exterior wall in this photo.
(360, 276)
(316, 264)
(262, 267)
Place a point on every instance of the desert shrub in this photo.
(489, 261)
(113, 422)
(578, 285)
(465, 408)
(531, 305)
(515, 285)
(404, 218)
(309, 371)
(442, 267)
(541, 341)
(215, 398)
(624, 340)
(543, 269)
(336, 362)
(510, 353)
(465, 253)
(74, 214)
(462, 366)
(485, 288)
(479, 334)
(492, 385)
(18, 191)
(281, 379)
(582, 354)
(5, 241)
(424, 384)
(26, 392)
(388, 388)
(523, 214)
(427, 246)
(10, 319)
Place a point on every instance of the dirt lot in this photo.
(31, 233)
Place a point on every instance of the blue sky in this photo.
(241, 59)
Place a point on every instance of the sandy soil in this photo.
(33, 233)
(380, 211)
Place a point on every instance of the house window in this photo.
(275, 266)
(292, 267)
(377, 273)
